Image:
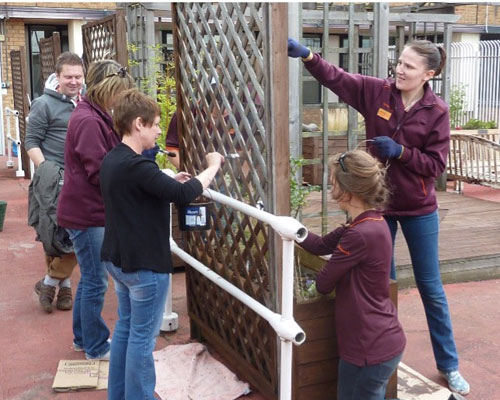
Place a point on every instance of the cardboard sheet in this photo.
(75, 375)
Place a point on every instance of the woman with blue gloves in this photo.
(410, 131)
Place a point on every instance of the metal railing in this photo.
(475, 70)
(284, 324)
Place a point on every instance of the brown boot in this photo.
(46, 294)
(64, 299)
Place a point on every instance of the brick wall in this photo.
(89, 5)
(476, 14)
(15, 38)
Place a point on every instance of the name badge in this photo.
(384, 114)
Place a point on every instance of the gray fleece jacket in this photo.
(48, 122)
(43, 193)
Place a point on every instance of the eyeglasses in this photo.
(122, 72)
(341, 162)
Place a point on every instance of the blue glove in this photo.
(387, 148)
(295, 49)
(151, 153)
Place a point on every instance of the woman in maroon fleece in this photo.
(410, 129)
(81, 209)
(369, 336)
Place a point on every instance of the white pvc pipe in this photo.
(287, 227)
(284, 324)
(170, 321)
(19, 172)
(14, 113)
(287, 315)
(10, 163)
(286, 329)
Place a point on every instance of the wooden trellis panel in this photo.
(20, 91)
(50, 49)
(106, 38)
(224, 63)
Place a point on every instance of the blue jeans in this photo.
(421, 234)
(141, 301)
(366, 382)
(89, 329)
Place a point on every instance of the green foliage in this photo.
(478, 124)
(457, 104)
(164, 83)
(298, 191)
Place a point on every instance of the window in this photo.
(311, 89)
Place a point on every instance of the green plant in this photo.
(299, 191)
(478, 124)
(164, 83)
(457, 104)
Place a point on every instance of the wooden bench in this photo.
(475, 159)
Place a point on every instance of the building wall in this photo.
(77, 4)
(15, 38)
(476, 14)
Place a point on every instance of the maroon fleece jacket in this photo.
(368, 330)
(90, 137)
(424, 132)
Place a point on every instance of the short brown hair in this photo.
(132, 104)
(67, 58)
(435, 56)
(105, 80)
(357, 172)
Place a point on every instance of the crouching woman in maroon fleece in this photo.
(369, 336)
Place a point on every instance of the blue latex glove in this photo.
(387, 148)
(151, 153)
(295, 49)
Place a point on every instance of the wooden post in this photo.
(324, 177)
(352, 125)
(56, 45)
(380, 40)
(121, 38)
(278, 134)
(295, 87)
(445, 90)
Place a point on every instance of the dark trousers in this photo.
(367, 382)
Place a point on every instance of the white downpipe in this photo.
(284, 324)
(14, 113)
(170, 320)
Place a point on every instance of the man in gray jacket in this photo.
(45, 137)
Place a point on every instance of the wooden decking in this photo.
(469, 246)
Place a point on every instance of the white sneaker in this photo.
(77, 347)
(456, 382)
(104, 357)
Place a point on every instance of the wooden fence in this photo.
(474, 159)
(20, 94)
(106, 38)
(232, 88)
(50, 49)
